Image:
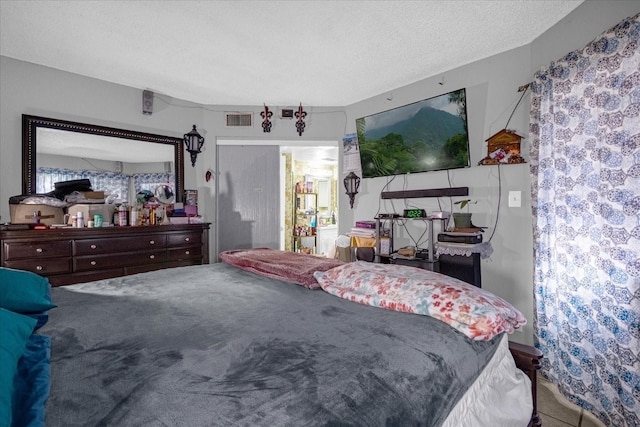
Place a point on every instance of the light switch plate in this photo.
(515, 199)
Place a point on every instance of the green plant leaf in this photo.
(463, 203)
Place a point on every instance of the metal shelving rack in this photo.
(431, 249)
(304, 213)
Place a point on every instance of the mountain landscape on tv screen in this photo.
(431, 126)
(431, 139)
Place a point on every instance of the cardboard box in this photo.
(89, 210)
(93, 194)
(24, 214)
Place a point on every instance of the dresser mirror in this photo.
(54, 143)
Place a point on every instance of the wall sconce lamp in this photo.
(193, 143)
(351, 184)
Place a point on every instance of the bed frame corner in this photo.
(527, 359)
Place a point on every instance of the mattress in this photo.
(216, 345)
(500, 395)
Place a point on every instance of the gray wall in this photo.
(26, 88)
(491, 96)
(491, 84)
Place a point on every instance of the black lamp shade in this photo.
(351, 185)
(193, 142)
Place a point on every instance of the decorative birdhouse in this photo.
(503, 147)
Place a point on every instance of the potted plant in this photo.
(463, 219)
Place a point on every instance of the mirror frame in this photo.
(30, 125)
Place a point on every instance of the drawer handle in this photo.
(152, 242)
(39, 250)
(187, 239)
(152, 256)
(39, 268)
(93, 246)
(93, 263)
(187, 252)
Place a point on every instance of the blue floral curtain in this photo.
(109, 182)
(150, 181)
(585, 166)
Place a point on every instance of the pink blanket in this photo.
(286, 266)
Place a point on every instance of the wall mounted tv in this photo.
(427, 135)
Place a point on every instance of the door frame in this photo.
(281, 143)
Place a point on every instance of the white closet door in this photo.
(248, 197)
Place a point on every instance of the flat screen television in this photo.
(427, 135)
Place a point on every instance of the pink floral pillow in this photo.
(477, 313)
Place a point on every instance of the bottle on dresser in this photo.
(122, 215)
(134, 216)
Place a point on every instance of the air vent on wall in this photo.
(239, 119)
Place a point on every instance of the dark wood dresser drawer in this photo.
(178, 254)
(69, 255)
(105, 261)
(36, 250)
(42, 266)
(184, 239)
(119, 244)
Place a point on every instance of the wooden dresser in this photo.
(74, 255)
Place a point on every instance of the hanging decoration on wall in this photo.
(300, 115)
(193, 143)
(266, 119)
(351, 185)
(504, 146)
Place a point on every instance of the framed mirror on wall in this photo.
(324, 193)
(324, 187)
(53, 145)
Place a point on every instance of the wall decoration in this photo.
(266, 119)
(503, 147)
(300, 115)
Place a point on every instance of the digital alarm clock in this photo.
(415, 213)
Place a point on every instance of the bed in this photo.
(240, 343)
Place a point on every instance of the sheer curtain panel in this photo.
(585, 172)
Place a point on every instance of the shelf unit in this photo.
(305, 221)
(413, 194)
(466, 268)
(429, 261)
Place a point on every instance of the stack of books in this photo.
(364, 229)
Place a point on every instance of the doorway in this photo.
(247, 203)
(311, 199)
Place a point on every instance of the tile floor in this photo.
(556, 411)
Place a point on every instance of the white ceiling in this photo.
(280, 53)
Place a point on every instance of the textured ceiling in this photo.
(319, 53)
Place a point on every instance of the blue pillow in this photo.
(14, 334)
(41, 317)
(31, 385)
(24, 292)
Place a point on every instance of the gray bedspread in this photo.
(214, 345)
